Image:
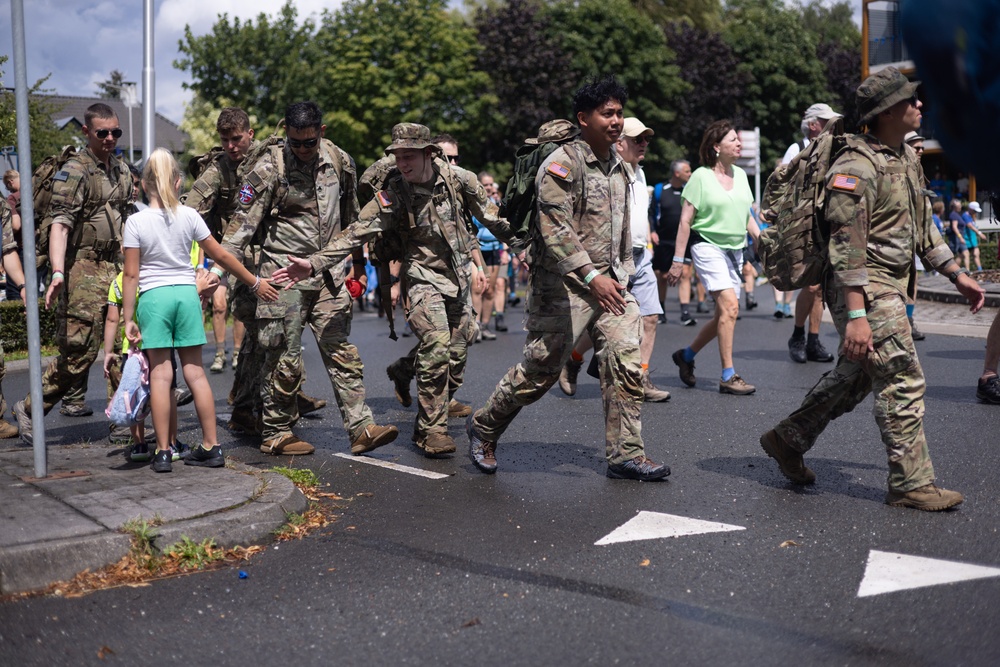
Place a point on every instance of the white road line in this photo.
(656, 525)
(393, 466)
(890, 572)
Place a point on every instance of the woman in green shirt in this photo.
(715, 219)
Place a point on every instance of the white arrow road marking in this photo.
(889, 572)
(393, 466)
(655, 525)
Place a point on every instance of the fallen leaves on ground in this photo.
(789, 543)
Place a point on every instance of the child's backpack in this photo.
(130, 404)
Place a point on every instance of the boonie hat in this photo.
(821, 111)
(882, 90)
(633, 127)
(554, 130)
(974, 206)
(410, 135)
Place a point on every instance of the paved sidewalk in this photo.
(53, 528)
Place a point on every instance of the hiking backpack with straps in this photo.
(520, 201)
(793, 249)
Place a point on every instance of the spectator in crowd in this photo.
(956, 231)
(715, 220)
(15, 280)
(666, 218)
(937, 210)
(972, 234)
(988, 390)
(158, 269)
(916, 142)
(12, 181)
(491, 247)
(962, 185)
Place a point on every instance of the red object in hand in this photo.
(354, 288)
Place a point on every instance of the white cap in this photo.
(633, 127)
(911, 137)
(974, 206)
(820, 111)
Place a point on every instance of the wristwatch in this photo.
(953, 276)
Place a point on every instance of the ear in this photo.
(85, 130)
(250, 133)
(581, 118)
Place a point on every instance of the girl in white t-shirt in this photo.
(157, 243)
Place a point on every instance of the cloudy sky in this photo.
(80, 41)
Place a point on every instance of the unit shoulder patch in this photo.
(246, 194)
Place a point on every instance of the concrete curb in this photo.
(32, 566)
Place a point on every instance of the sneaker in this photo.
(23, 421)
(236, 358)
(180, 450)
(243, 421)
(206, 458)
(140, 453)
(789, 460)
(485, 333)
(401, 383)
(928, 498)
(736, 385)
(816, 352)
(701, 307)
(786, 310)
(687, 320)
(651, 393)
(7, 430)
(307, 404)
(661, 319)
(988, 390)
(372, 437)
(161, 461)
(797, 349)
(779, 312)
(686, 368)
(458, 409)
(183, 396)
(499, 324)
(219, 363)
(915, 333)
(286, 445)
(436, 444)
(640, 468)
(407, 331)
(478, 337)
(76, 410)
(569, 375)
(483, 452)
(514, 299)
(751, 301)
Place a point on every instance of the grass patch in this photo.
(300, 477)
(191, 555)
(17, 355)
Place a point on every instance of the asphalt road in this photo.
(505, 569)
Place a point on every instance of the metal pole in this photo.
(131, 143)
(756, 177)
(148, 82)
(28, 236)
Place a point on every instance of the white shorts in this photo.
(644, 284)
(718, 268)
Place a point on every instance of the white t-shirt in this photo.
(793, 150)
(639, 210)
(164, 243)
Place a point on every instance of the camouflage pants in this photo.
(80, 317)
(280, 337)
(458, 354)
(556, 317)
(77, 394)
(440, 324)
(892, 372)
(247, 379)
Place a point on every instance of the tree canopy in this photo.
(46, 138)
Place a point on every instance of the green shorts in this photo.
(171, 316)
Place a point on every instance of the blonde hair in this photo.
(9, 176)
(161, 178)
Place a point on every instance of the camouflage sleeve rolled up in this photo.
(255, 198)
(850, 190)
(6, 222)
(69, 193)
(375, 217)
(556, 186)
(202, 195)
(483, 208)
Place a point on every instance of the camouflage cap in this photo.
(410, 135)
(554, 130)
(882, 90)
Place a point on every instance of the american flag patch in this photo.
(383, 199)
(845, 182)
(556, 169)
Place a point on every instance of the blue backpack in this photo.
(130, 404)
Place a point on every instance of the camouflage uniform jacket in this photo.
(93, 225)
(583, 214)
(6, 221)
(879, 217)
(213, 194)
(297, 208)
(431, 226)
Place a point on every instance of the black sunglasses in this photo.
(913, 101)
(303, 143)
(454, 159)
(103, 134)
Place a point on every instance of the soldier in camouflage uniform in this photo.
(302, 194)
(15, 278)
(878, 218)
(422, 211)
(89, 198)
(581, 260)
(213, 195)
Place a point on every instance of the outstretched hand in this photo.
(298, 269)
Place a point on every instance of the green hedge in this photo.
(14, 325)
(988, 251)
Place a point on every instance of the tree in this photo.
(716, 85)
(839, 51)
(46, 138)
(785, 77)
(703, 14)
(834, 23)
(529, 74)
(112, 88)
(613, 37)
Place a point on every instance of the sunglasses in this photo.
(640, 140)
(919, 149)
(913, 101)
(103, 134)
(303, 143)
(454, 159)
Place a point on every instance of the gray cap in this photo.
(820, 111)
(882, 90)
(911, 137)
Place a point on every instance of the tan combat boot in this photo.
(789, 460)
(928, 498)
(437, 444)
(7, 430)
(308, 404)
(458, 410)
(286, 444)
(650, 392)
(243, 421)
(373, 436)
